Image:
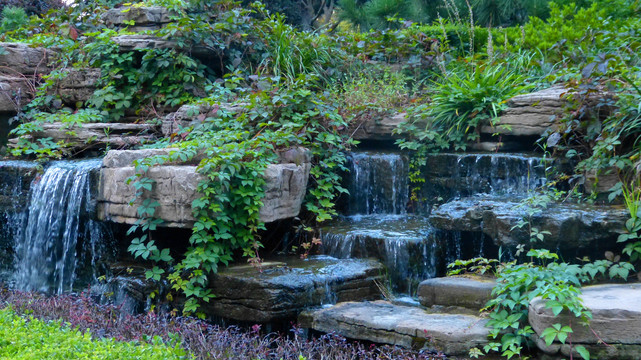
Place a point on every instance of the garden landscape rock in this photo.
(462, 291)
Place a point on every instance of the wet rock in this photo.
(76, 85)
(377, 127)
(15, 181)
(97, 135)
(467, 292)
(21, 59)
(281, 290)
(15, 92)
(176, 188)
(571, 226)
(143, 18)
(405, 244)
(406, 326)
(616, 319)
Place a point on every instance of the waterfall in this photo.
(377, 183)
(46, 244)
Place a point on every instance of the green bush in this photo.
(35, 339)
(12, 18)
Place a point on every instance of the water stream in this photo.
(47, 240)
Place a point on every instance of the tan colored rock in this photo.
(22, 59)
(76, 85)
(405, 326)
(472, 293)
(378, 128)
(192, 115)
(176, 188)
(15, 92)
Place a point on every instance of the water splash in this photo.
(46, 248)
(378, 183)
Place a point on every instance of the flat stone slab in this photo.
(467, 292)
(405, 326)
(571, 226)
(281, 289)
(20, 58)
(143, 18)
(616, 320)
(176, 188)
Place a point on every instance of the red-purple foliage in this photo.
(200, 339)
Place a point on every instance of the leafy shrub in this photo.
(33, 7)
(37, 339)
(12, 18)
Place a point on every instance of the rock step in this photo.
(405, 326)
(456, 291)
(616, 319)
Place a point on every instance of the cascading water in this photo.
(378, 183)
(46, 243)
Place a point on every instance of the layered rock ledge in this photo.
(571, 226)
(405, 326)
(456, 291)
(281, 290)
(176, 187)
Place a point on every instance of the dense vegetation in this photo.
(278, 87)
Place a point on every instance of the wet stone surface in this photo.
(281, 289)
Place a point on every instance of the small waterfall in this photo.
(47, 244)
(403, 243)
(377, 183)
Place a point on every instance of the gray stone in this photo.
(176, 188)
(192, 115)
(405, 326)
(22, 59)
(96, 135)
(139, 42)
(15, 92)
(571, 226)
(467, 292)
(616, 319)
(76, 85)
(143, 18)
(377, 127)
(280, 290)
(15, 181)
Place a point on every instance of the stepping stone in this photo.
(467, 292)
(405, 326)
(616, 320)
(281, 289)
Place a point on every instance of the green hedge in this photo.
(34, 339)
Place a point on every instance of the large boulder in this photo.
(280, 290)
(142, 18)
(466, 292)
(616, 321)
(15, 181)
(23, 59)
(192, 115)
(176, 188)
(571, 226)
(377, 127)
(405, 326)
(76, 85)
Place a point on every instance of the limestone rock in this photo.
(405, 326)
(377, 127)
(97, 135)
(281, 290)
(138, 42)
(143, 18)
(461, 291)
(191, 115)
(176, 188)
(571, 226)
(616, 320)
(22, 59)
(15, 92)
(15, 181)
(76, 85)
(531, 114)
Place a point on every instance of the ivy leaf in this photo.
(585, 354)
